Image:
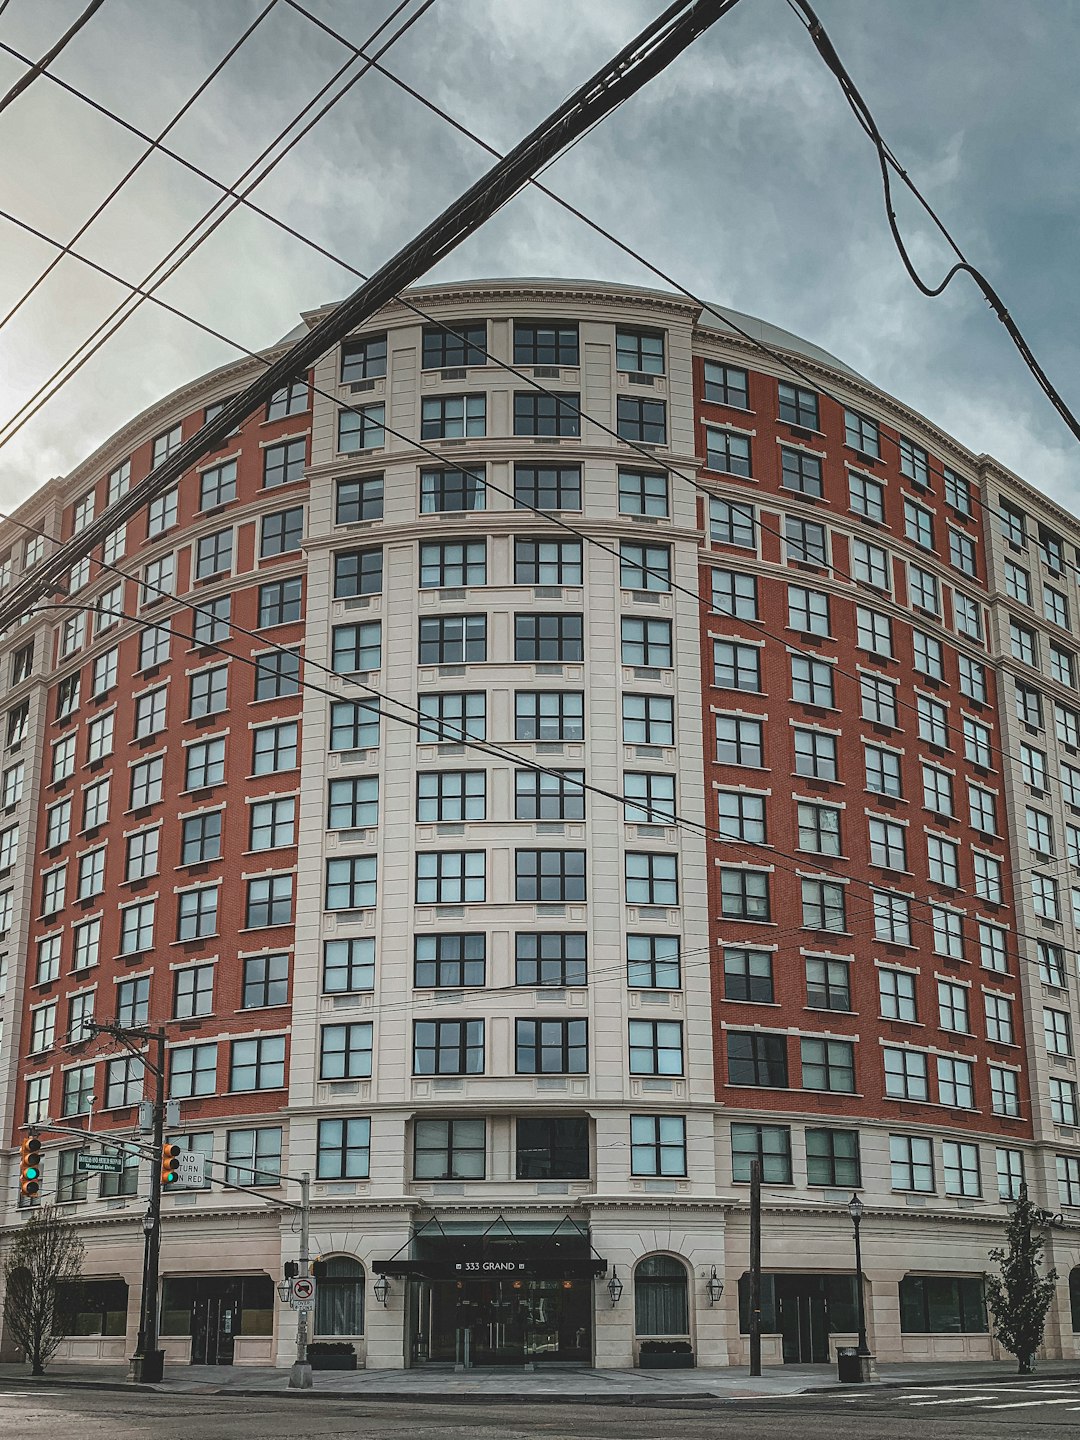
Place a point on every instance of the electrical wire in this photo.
(134, 169)
(37, 67)
(198, 233)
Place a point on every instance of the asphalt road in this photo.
(1014, 1411)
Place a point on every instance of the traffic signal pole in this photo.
(300, 1374)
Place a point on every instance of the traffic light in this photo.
(30, 1167)
(170, 1164)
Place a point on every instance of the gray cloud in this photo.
(740, 171)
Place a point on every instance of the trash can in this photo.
(849, 1365)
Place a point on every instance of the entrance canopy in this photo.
(522, 1250)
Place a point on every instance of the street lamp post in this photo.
(855, 1210)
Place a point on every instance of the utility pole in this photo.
(300, 1374)
(148, 1362)
(755, 1267)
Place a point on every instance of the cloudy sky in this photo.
(740, 170)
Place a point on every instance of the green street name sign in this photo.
(100, 1164)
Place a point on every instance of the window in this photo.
(119, 482)
(277, 674)
(650, 720)
(351, 882)
(972, 679)
(70, 1180)
(828, 1064)
(282, 464)
(832, 1158)
(726, 385)
(818, 828)
(344, 1153)
(923, 589)
(948, 932)
(801, 471)
(539, 413)
(757, 1058)
(641, 492)
(447, 877)
(550, 876)
(870, 564)
(441, 795)
(87, 945)
(1055, 607)
(1063, 1103)
(867, 497)
(449, 961)
(988, 872)
(142, 854)
(657, 1145)
(91, 873)
(770, 1145)
(882, 771)
(748, 975)
(546, 343)
(1010, 1173)
(652, 879)
(194, 993)
(953, 1007)
(798, 406)
(192, 1071)
(811, 682)
(53, 886)
(549, 715)
(873, 632)
(348, 965)
(1057, 1031)
(209, 692)
(257, 1064)
(11, 788)
(896, 992)
(213, 554)
(154, 642)
(547, 796)
(638, 420)
(358, 500)
(552, 1148)
(550, 958)
(734, 593)
(363, 359)
(449, 1047)
(933, 721)
(452, 565)
(549, 637)
(644, 567)
(1028, 706)
(652, 962)
(1053, 550)
(1051, 964)
(1068, 1178)
(646, 643)
(914, 462)
(205, 767)
(744, 895)
(1022, 643)
(266, 981)
(273, 822)
(862, 434)
(808, 610)
(274, 748)
(449, 1149)
(354, 725)
(823, 906)
(150, 712)
(912, 1163)
(732, 524)
(361, 428)
(654, 797)
(806, 542)
(453, 417)
(452, 640)
(727, 451)
(962, 553)
(641, 352)
(736, 667)
(451, 718)
(137, 928)
(547, 487)
(358, 572)
(161, 514)
(197, 912)
(254, 1156)
(1017, 583)
(928, 655)
(1062, 666)
(353, 804)
(878, 700)
(281, 532)
(1004, 1091)
(828, 984)
(930, 1303)
(815, 754)
(741, 816)
(888, 846)
(982, 809)
(269, 901)
(451, 489)
(905, 1074)
(977, 743)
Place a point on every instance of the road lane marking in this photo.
(959, 1400)
(1027, 1404)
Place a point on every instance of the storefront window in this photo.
(339, 1304)
(94, 1307)
(660, 1297)
(942, 1305)
(1074, 1298)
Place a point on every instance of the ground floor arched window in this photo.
(661, 1302)
(339, 1298)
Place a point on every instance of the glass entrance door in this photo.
(501, 1322)
(803, 1319)
(213, 1328)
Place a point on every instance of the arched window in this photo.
(339, 1298)
(660, 1297)
(1074, 1298)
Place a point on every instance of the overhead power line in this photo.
(646, 56)
(133, 169)
(38, 66)
(887, 162)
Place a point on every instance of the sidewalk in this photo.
(567, 1385)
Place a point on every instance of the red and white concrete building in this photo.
(299, 779)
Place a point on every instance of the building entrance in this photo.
(213, 1310)
(804, 1310)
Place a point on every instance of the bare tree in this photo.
(46, 1257)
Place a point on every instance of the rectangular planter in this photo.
(333, 1362)
(665, 1362)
